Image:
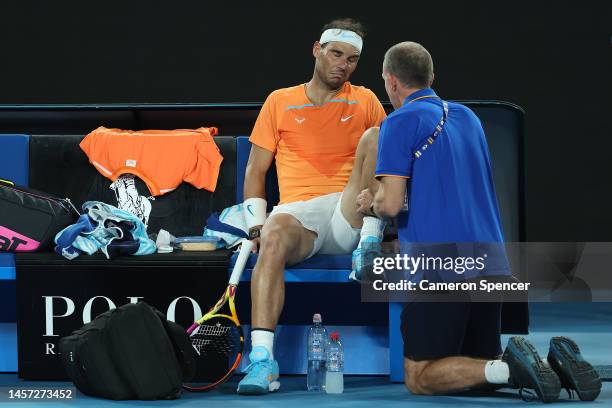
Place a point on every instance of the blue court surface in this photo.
(589, 324)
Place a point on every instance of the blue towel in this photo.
(229, 227)
(106, 228)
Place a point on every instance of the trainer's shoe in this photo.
(528, 370)
(574, 372)
(261, 375)
(363, 257)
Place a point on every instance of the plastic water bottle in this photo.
(317, 339)
(334, 378)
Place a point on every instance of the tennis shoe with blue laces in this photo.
(363, 258)
(261, 375)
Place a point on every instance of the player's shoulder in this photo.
(361, 92)
(287, 93)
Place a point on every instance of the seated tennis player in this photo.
(318, 134)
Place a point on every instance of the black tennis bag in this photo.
(29, 219)
(131, 352)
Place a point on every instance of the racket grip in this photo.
(243, 257)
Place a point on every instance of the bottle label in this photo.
(317, 347)
(335, 361)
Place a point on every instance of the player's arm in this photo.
(263, 148)
(258, 165)
(255, 203)
(390, 197)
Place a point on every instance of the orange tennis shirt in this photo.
(314, 146)
(161, 158)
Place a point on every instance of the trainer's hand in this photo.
(364, 202)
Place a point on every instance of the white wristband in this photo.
(254, 211)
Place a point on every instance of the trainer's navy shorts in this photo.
(444, 329)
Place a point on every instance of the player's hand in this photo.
(364, 202)
(256, 243)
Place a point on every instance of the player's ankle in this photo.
(261, 337)
(372, 227)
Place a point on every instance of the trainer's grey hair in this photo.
(410, 63)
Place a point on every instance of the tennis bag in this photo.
(29, 219)
(131, 352)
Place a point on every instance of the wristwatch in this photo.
(254, 232)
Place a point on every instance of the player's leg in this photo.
(362, 176)
(284, 240)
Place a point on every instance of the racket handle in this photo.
(243, 257)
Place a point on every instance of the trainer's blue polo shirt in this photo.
(451, 192)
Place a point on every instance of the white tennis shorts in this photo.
(323, 215)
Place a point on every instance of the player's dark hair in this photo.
(349, 24)
(411, 63)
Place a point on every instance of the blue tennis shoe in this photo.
(261, 375)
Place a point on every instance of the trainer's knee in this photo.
(414, 378)
(416, 386)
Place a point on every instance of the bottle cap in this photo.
(334, 336)
(316, 318)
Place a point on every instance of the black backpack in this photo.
(131, 352)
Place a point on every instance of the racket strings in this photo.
(221, 340)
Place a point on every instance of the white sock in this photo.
(264, 338)
(372, 227)
(497, 372)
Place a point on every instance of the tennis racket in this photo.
(217, 337)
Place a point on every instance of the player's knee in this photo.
(273, 242)
(369, 140)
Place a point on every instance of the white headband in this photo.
(345, 36)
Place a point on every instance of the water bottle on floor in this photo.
(317, 340)
(334, 378)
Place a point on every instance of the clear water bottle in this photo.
(317, 340)
(334, 378)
